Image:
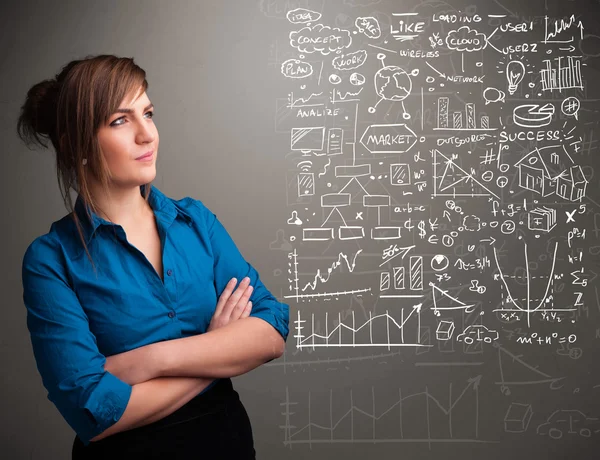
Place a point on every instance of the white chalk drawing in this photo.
(569, 423)
(444, 330)
(517, 417)
(295, 68)
(463, 120)
(491, 94)
(551, 170)
(392, 83)
(405, 329)
(357, 79)
(350, 61)
(515, 71)
(533, 115)
(562, 74)
(320, 38)
(302, 15)
(368, 26)
(444, 215)
(465, 39)
(541, 219)
(397, 138)
(570, 107)
(404, 27)
(307, 139)
(477, 333)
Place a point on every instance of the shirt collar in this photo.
(163, 208)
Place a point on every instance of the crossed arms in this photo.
(166, 375)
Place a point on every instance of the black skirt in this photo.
(212, 425)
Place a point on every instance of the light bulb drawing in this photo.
(515, 71)
(392, 83)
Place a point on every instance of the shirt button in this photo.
(171, 314)
(169, 272)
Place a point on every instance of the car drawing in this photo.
(477, 332)
(570, 421)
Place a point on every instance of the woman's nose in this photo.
(146, 132)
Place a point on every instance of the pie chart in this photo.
(439, 262)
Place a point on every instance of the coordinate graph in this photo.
(319, 278)
(543, 304)
(381, 330)
(387, 422)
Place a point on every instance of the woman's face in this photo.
(130, 133)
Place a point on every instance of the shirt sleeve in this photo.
(72, 369)
(229, 263)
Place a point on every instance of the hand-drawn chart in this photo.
(443, 213)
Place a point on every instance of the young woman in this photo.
(139, 306)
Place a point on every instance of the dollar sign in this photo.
(422, 231)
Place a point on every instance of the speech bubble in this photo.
(295, 68)
(350, 61)
(492, 94)
(465, 39)
(320, 38)
(302, 15)
(570, 107)
(368, 26)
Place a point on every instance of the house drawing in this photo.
(550, 170)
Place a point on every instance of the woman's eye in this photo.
(118, 120)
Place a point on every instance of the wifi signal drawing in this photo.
(305, 165)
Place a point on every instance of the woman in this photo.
(130, 340)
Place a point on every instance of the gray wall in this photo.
(214, 146)
(214, 70)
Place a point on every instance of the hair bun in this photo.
(40, 106)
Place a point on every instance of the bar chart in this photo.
(463, 120)
(564, 76)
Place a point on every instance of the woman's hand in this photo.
(232, 305)
(143, 363)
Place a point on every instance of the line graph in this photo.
(378, 331)
(294, 281)
(434, 420)
(302, 102)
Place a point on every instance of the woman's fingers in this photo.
(247, 310)
(239, 308)
(225, 295)
(233, 304)
(234, 298)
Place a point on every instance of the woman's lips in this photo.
(146, 156)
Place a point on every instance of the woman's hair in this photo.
(69, 110)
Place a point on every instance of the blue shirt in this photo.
(76, 318)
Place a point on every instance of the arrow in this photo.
(436, 70)
(491, 239)
(571, 48)
(401, 251)
(475, 381)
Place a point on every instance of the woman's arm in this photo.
(155, 399)
(232, 350)
(223, 351)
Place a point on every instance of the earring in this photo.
(84, 161)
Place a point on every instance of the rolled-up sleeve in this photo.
(229, 263)
(72, 369)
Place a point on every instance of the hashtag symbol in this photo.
(570, 107)
(489, 158)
